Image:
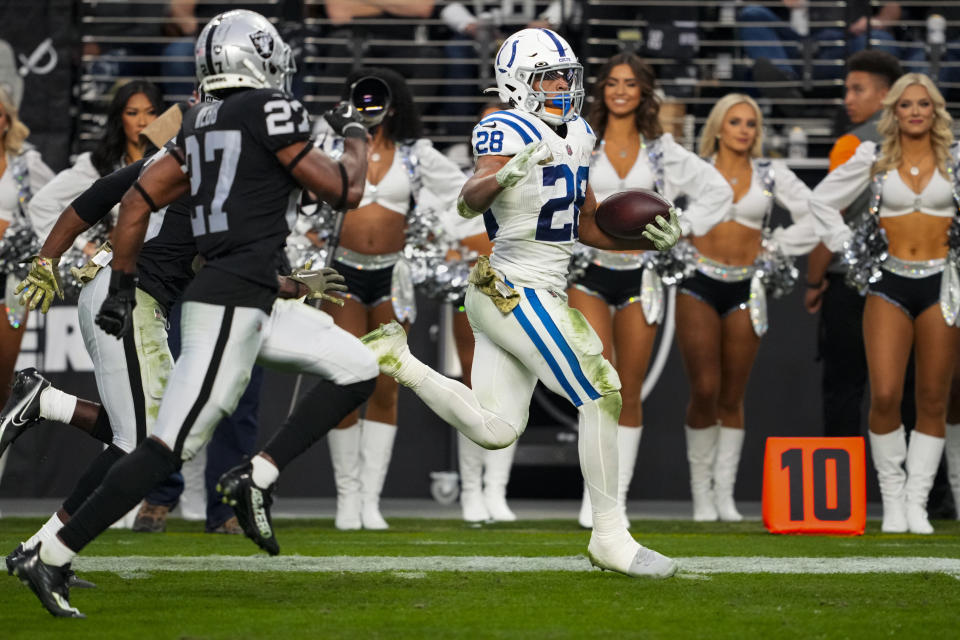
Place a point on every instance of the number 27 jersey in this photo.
(240, 193)
(534, 224)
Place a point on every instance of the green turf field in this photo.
(441, 579)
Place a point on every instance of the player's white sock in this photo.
(46, 532)
(264, 473)
(57, 405)
(54, 552)
(628, 443)
(457, 405)
(597, 446)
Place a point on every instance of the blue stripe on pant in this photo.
(561, 343)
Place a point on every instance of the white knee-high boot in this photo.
(496, 474)
(889, 451)
(952, 449)
(701, 455)
(628, 443)
(729, 446)
(470, 456)
(376, 448)
(923, 459)
(345, 456)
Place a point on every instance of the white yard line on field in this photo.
(507, 564)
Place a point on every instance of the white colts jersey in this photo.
(533, 225)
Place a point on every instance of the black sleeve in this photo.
(95, 203)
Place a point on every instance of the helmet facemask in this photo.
(546, 96)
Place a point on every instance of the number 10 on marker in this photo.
(814, 485)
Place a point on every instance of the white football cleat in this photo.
(389, 345)
(645, 563)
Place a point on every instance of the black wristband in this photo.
(815, 285)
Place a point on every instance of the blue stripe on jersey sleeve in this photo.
(521, 120)
(523, 134)
(587, 126)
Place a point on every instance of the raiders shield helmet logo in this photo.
(263, 43)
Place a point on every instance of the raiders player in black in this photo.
(131, 373)
(245, 157)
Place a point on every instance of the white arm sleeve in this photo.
(709, 195)
(836, 192)
(442, 181)
(790, 192)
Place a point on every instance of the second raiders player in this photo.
(131, 373)
(245, 158)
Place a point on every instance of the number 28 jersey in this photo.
(241, 196)
(534, 224)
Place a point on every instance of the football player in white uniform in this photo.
(530, 185)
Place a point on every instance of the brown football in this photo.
(626, 214)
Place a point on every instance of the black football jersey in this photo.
(164, 265)
(241, 198)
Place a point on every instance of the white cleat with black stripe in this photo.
(22, 410)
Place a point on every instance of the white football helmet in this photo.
(241, 49)
(526, 60)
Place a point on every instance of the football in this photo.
(625, 214)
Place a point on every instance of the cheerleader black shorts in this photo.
(724, 297)
(617, 287)
(369, 287)
(912, 295)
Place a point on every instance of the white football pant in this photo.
(219, 348)
(130, 395)
(541, 339)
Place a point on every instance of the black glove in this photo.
(116, 312)
(346, 121)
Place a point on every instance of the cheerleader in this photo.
(22, 174)
(135, 105)
(370, 245)
(905, 258)
(633, 152)
(721, 312)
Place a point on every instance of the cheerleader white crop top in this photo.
(842, 186)
(898, 199)
(708, 194)
(393, 190)
(788, 190)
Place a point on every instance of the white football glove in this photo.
(665, 234)
(520, 165)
